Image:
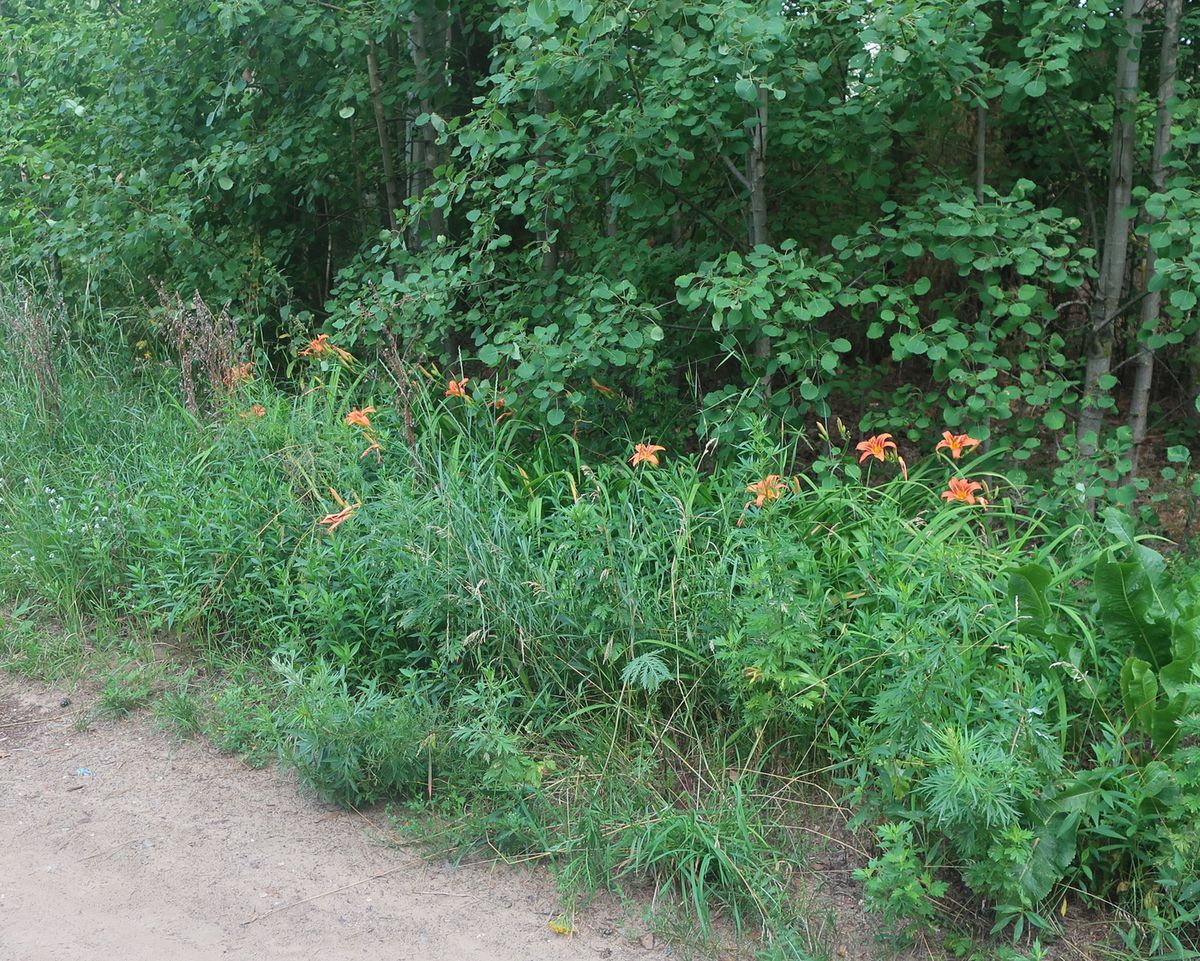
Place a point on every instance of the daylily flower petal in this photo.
(963, 490)
(358, 417)
(331, 521)
(956, 443)
(770, 488)
(645, 454)
(320, 345)
(876, 447)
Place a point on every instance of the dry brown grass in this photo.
(33, 335)
(208, 347)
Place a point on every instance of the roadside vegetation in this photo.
(698, 667)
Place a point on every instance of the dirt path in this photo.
(119, 842)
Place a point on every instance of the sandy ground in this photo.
(122, 843)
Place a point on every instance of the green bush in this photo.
(351, 747)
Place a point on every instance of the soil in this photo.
(120, 841)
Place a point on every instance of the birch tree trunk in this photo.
(423, 23)
(756, 178)
(981, 114)
(1116, 234)
(1152, 301)
(385, 144)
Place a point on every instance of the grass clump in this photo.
(352, 747)
(179, 709)
(240, 716)
(43, 650)
(129, 689)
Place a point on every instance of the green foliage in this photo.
(733, 220)
(50, 655)
(572, 207)
(179, 710)
(899, 887)
(990, 338)
(352, 748)
(240, 718)
(1160, 621)
(126, 691)
(622, 668)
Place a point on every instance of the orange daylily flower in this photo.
(256, 410)
(961, 489)
(498, 406)
(331, 521)
(770, 488)
(458, 388)
(876, 447)
(321, 345)
(956, 443)
(316, 346)
(882, 448)
(359, 418)
(601, 389)
(374, 447)
(645, 454)
(238, 374)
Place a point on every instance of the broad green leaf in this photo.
(1051, 855)
(1164, 727)
(1139, 690)
(1125, 601)
(1183, 299)
(1027, 588)
(746, 89)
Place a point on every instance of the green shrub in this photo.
(351, 747)
(899, 886)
